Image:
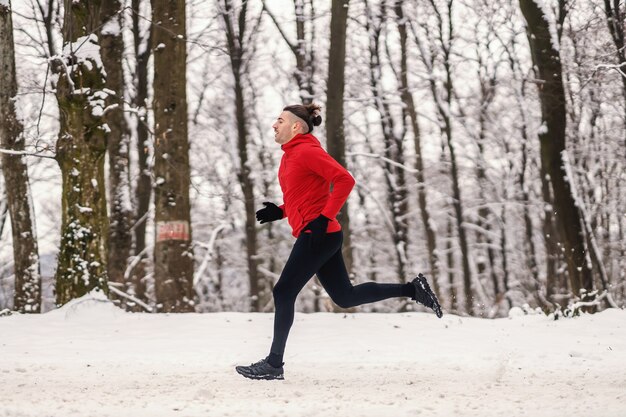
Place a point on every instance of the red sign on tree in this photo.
(172, 230)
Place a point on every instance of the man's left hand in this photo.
(318, 231)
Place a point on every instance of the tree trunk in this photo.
(450, 259)
(487, 84)
(443, 105)
(487, 77)
(173, 257)
(336, 140)
(49, 10)
(540, 293)
(235, 36)
(505, 259)
(529, 243)
(267, 165)
(393, 146)
(143, 186)
(411, 112)
(81, 148)
(550, 236)
(552, 140)
(458, 210)
(4, 208)
(27, 297)
(120, 210)
(247, 187)
(615, 21)
(622, 238)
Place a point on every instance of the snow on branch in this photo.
(387, 160)
(617, 67)
(24, 153)
(135, 261)
(128, 297)
(209, 251)
(268, 273)
(86, 50)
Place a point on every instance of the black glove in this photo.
(318, 231)
(269, 213)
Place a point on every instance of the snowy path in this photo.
(90, 360)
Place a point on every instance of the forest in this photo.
(487, 140)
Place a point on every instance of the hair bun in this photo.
(316, 120)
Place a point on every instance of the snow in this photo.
(90, 358)
(543, 129)
(112, 27)
(86, 50)
(84, 210)
(4, 3)
(549, 15)
(97, 102)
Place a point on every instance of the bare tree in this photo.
(615, 19)
(591, 158)
(4, 208)
(454, 304)
(143, 186)
(519, 94)
(268, 179)
(335, 134)
(393, 141)
(303, 48)
(239, 43)
(173, 258)
(410, 111)
(488, 220)
(546, 57)
(81, 147)
(120, 211)
(442, 40)
(27, 297)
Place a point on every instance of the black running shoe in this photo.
(261, 370)
(424, 295)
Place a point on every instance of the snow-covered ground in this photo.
(91, 359)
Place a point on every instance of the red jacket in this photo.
(306, 173)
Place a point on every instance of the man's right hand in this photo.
(269, 213)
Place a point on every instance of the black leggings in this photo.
(328, 264)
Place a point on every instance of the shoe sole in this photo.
(260, 377)
(436, 306)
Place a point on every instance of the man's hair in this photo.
(307, 112)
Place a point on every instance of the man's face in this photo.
(286, 127)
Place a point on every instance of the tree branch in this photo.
(280, 29)
(24, 153)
